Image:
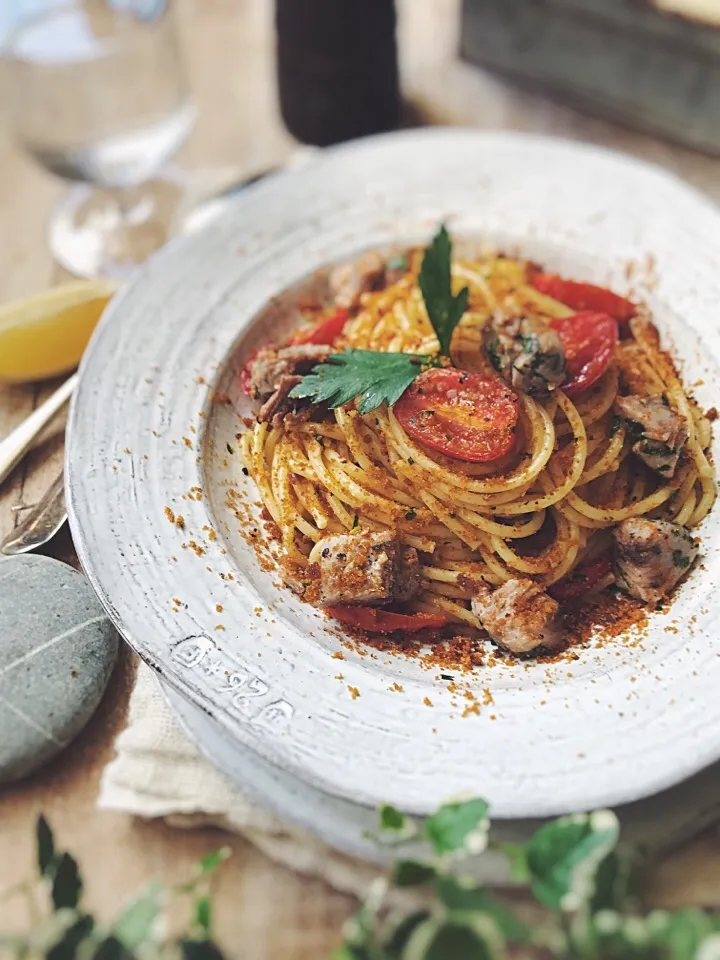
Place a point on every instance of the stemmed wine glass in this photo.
(98, 95)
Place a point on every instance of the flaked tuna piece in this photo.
(651, 556)
(269, 366)
(274, 373)
(529, 355)
(349, 281)
(366, 569)
(663, 432)
(519, 616)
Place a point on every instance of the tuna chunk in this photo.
(651, 556)
(519, 616)
(269, 366)
(274, 373)
(349, 281)
(663, 433)
(366, 569)
(529, 355)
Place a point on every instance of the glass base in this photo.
(96, 232)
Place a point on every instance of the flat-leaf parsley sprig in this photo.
(376, 377)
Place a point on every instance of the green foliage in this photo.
(444, 309)
(587, 890)
(67, 932)
(375, 378)
(459, 827)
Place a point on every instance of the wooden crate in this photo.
(620, 59)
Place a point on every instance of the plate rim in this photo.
(612, 793)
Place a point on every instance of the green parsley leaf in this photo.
(679, 559)
(374, 377)
(444, 309)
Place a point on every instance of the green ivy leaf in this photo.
(459, 894)
(401, 931)
(475, 939)
(614, 883)
(563, 857)
(203, 915)
(459, 826)
(391, 819)
(412, 873)
(67, 946)
(212, 861)
(45, 846)
(111, 949)
(136, 922)
(66, 884)
(679, 932)
(444, 309)
(200, 950)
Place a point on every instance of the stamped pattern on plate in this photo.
(205, 666)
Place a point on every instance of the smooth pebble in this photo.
(57, 651)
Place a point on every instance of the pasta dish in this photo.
(477, 445)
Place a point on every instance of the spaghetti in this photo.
(544, 511)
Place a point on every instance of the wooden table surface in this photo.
(264, 910)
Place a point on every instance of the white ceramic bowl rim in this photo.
(623, 722)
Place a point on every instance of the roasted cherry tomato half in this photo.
(589, 340)
(582, 579)
(584, 296)
(325, 331)
(468, 416)
(385, 621)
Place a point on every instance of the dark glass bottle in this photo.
(337, 68)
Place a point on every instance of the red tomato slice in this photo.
(589, 340)
(584, 296)
(385, 621)
(325, 331)
(582, 579)
(468, 416)
(246, 375)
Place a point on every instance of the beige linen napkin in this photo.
(158, 773)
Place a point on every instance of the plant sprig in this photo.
(66, 931)
(586, 889)
(377, 377)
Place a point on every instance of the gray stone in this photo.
(57, 651)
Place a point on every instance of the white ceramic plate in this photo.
(622, 722)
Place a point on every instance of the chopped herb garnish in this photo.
(229, 448)
(318, 436)
(615, 424)
(493, 352)
(355, 521)
(411, 461)
(411, 514)
(246, 472)
(679, 559)
(444, 309)
(376, 377)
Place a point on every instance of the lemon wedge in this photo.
(45, 335)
